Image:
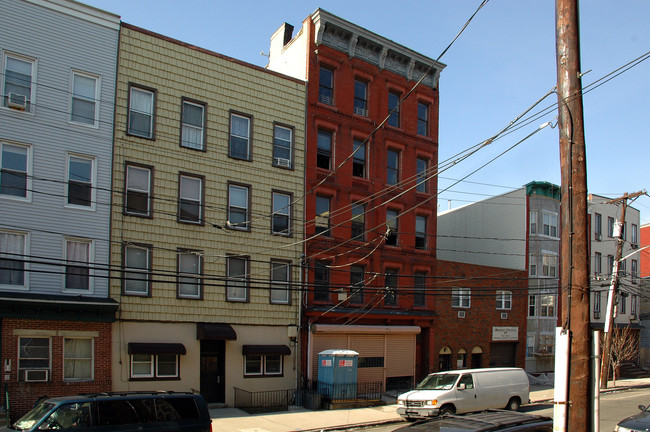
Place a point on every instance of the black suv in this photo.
(492, 420)
(118, 412)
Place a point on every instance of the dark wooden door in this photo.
(213, 371)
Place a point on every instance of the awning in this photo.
(215, 331)
(265, 349)
(156, 348)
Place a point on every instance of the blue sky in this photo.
(502, 64)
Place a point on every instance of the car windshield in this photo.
(34, 416)
(438, 382)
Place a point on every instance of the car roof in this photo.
(113, 395)
(493, 420)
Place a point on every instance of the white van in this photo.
(465, 390)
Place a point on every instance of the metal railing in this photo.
(364, 391)
(264, 401)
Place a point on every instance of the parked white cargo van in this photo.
(466, 390)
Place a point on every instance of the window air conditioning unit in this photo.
(596, 315)
(17, 101)
(504, 315)
(36, 375)
(634, 246)
(282, 162)
(461, 314)
(598, 237)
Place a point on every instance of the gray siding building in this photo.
(58, 60)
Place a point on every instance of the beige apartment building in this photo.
(206, 222)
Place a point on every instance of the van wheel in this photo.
(513, 404)
(447, 409)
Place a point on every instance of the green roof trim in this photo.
(546, 189)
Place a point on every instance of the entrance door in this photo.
(213, 371)
(502, 354)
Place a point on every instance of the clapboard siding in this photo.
(61, 36)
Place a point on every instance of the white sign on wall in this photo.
(505, 333)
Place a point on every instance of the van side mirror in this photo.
(462, 386)
(642, 407)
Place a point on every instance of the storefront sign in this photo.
(505, 333)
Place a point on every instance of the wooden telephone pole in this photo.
(575, 235)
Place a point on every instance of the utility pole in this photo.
(575, 235)
(613, 287)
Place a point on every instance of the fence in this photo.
(264, 401)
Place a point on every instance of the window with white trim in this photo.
(141, 112)
(78, 256)
(326, 86)
(154, 366)
(138, 184)
(610, 226)
(359, 158)
(322, 221)
(34, 354)
(281, 215)
(240, 137)
(532, 308)
(280, 279)
(13, 265)
(15, 171)
(504, 300)
(360, 97)
(238, 279)
(137, 270)
(282, 146)
(532, 264)
(392, 227)
(423, 119)
(78, 359)
(550, 226)
(547, 305)
(549, 265)
(192, 125)
(422, 168)
(420, 232)
(598, 224)
(598, 263)
(324, 149)
(19, 82)
(84, 105)
(81, 181)
(238, 207)
(460, 297)
(263, 364)
(533, 222)
(392, 167)
(190, 199)
(530, 346)
(634, 237)
(190, 269)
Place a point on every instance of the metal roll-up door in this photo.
(322, 342)
(371, 357)
(400, 355)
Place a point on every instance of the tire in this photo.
(447, 409)
(513, 404)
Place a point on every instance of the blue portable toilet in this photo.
(337, 374)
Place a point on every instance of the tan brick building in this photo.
(207, 220)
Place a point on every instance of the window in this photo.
(610, 226)
(547, 305)
(420, 232)
(549, 265)
(622, 267)
(190, 199)
(622, 302)
(392, 165)
(138, 200)
(321, 281)
(460, 297)
(154, 365)
(390, 282)
(359, 158)
(635, 269)
(81, 181)
(240, 134)
(610, 264)
(533, 222)
(421, 174)
(282, 146)
(361, 97)
(280, 278)
(598, 261)
(192, 125)
(77, 359)
(324, 150)
(635, 234)
(326, 86)
(393, 109)
(550, 224)
(356, 284)
(358, 221)
(392, 227)
(78, 256)
(137, 270)
(237, 283)
(33, 353)
(13, 251)
(633, 302)
(141, 112)
(598, 224)
(238, 207)
(263, 364)
(322, 222)
(18, 83)
(190, 269)
(531, 306)
(530, 346)
(423, 119)
(504, 300)
(532, 264)
(597, 297)
(85, 95)
(419, 285)
(281, 218)
(15, 175)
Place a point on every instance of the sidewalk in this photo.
(236, 420)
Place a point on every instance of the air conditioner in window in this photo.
(634, 245)
(461, 314)
(596, 315)
(17, 101)
(36, 375)
(504, 315)
(598, 237)
(282, 162)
